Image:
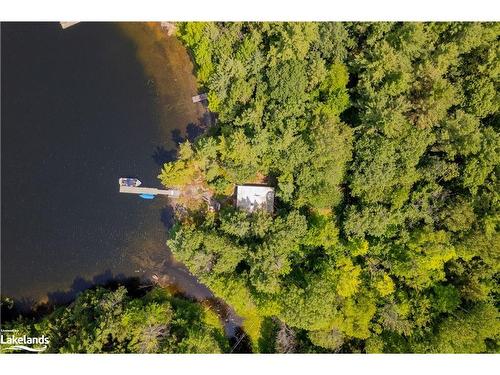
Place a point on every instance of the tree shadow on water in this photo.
(107, 278)
(167, 216)
(193, 131)
(177, 136)
(161, 155)
(30, 307)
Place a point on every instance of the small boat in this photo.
(147, 196)
(128, 181)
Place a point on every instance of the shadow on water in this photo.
(239, 341)
(61, 297)
(100, 99)
(167, 216)
(161, 155)
(35, 308)
(177, 136)
(171, 277)
(193, 131)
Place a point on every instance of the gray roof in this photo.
(254, 197)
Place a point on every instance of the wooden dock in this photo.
(172, 193)
(65, 25)
(199, 98)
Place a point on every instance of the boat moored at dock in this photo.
(131, 186)
(129, 181)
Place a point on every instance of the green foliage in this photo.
(421, 263)
(104, 321)
(277, 102)
(384, 285)
(446, 298)
(194, 34)
(332, 340)
(474, 331)
(381, 140)
(322, 232)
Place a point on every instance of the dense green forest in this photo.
(382, 142)
(111, 321)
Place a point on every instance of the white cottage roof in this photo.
(253, 197)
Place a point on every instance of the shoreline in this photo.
(154, 56)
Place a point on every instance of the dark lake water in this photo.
(80, 108)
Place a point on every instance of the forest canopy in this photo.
(104, 320)
(381, 140)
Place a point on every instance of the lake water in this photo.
(82, 107)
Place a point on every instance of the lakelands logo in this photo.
(11, 341)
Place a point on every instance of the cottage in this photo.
(254, 197)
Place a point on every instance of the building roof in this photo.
(253, 197)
